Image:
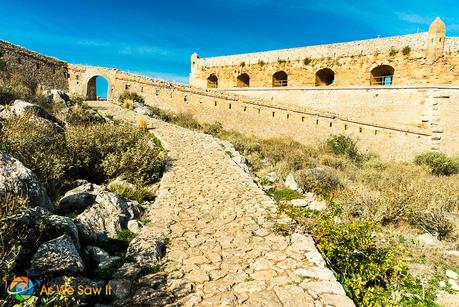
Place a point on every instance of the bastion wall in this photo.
(37, 69)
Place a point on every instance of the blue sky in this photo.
(157, 38)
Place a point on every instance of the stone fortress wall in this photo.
(430, 125)
(424, 58)
(45, 72)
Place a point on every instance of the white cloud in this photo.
(414, 18)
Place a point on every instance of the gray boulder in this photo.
(18, 181)
(142, 109)
(146, 250)
(56, 256)
(59, 96)
(104, 219)
(100, 257)
(79, 198)
(121, 288)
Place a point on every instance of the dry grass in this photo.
(141, 122)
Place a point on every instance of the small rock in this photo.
(453, 284)
(272, 177)
(121, 288)
(56, 256)
(316, 272)
(452, 253)
(299, 202)
(302, 243)
(108, 263)
(427, 239)
(134, 226)
(316, 258)
(317, 205)
(97, 254)
(451, 274)
(291, 183)
(442, 284)
(146, 250)
(128, 271)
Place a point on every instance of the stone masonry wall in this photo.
(350, 70)
(396, 122)
(46, 72)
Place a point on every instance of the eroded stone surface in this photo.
(218, 225)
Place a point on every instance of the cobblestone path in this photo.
(221, 248)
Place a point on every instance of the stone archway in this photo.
(212, 81)
(280, 79)
(243, 80)
(382, 75)
(98, 88)
(325, 77)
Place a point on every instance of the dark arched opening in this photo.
(212, 81)
(382, 75)
(97, 88)
(325, 77)
(243, 80)
(280, 78)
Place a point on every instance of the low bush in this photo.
(344, 145)
(139, 194)
(130, 96)
(41, 148)
(285, 194)
(2, 64)
(105, 150)
(141, 164)
(406, 50)
(438, 162)
(79, 115)
(322, 181)
(186, 120)
(368, 270)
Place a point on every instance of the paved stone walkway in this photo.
(221, 248)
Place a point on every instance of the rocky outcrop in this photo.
(59, 96)
(106, 217)
(19, 181)
(146, 250)
(79, 198)
(56, 256)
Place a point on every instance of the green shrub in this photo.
(186, 120)
(212, 129)
(125, 235)
(141, 164)
(242, 64)
(439, 163)
(139, 194)
(285, 194)
(323, 181)
(393, 52)
(81, 116)
(261, 62)
(368, 272)
(344, 145)
(161, 114)
(132, 96)
(307, 61)
(406, 50)
(2, 64)
(41, 148)
(94, 147)
(78, 100)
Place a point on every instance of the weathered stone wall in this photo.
(398, 107)
(400, 123)
(43, 71)
(411, 69)
(424, 58)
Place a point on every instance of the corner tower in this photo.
(193, 75)
(436, 39)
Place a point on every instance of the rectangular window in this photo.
(128, 87)
(157, 91)
(78, 77)
(141, 89)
